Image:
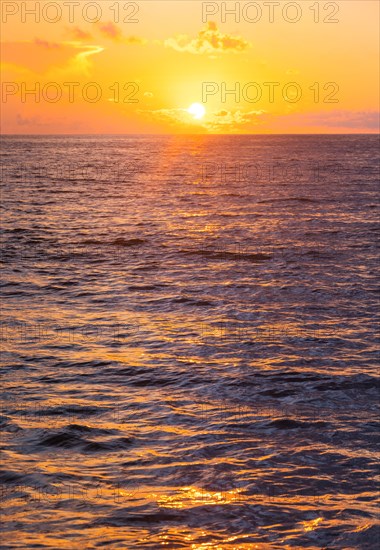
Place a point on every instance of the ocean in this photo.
(190, 354)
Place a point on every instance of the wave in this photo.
(226, 255)
(289, 199)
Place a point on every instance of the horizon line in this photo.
(375, 133)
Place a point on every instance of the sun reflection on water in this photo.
(311, 525)
(194, 496)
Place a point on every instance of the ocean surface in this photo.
(190, 357)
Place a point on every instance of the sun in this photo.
(196, 110)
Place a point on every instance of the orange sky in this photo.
(172, 52)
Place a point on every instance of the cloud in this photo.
(81, 59)
(23, 121)
(114, 33)
(79, 34)
(337, 121)
(111, 31)
(209, 41)
(29, 121)
(40, 125)
(215, 122)
(134, 40)
(170, 116)
(369, 120)
(233, 120)
(47, 45)
(55, 61)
